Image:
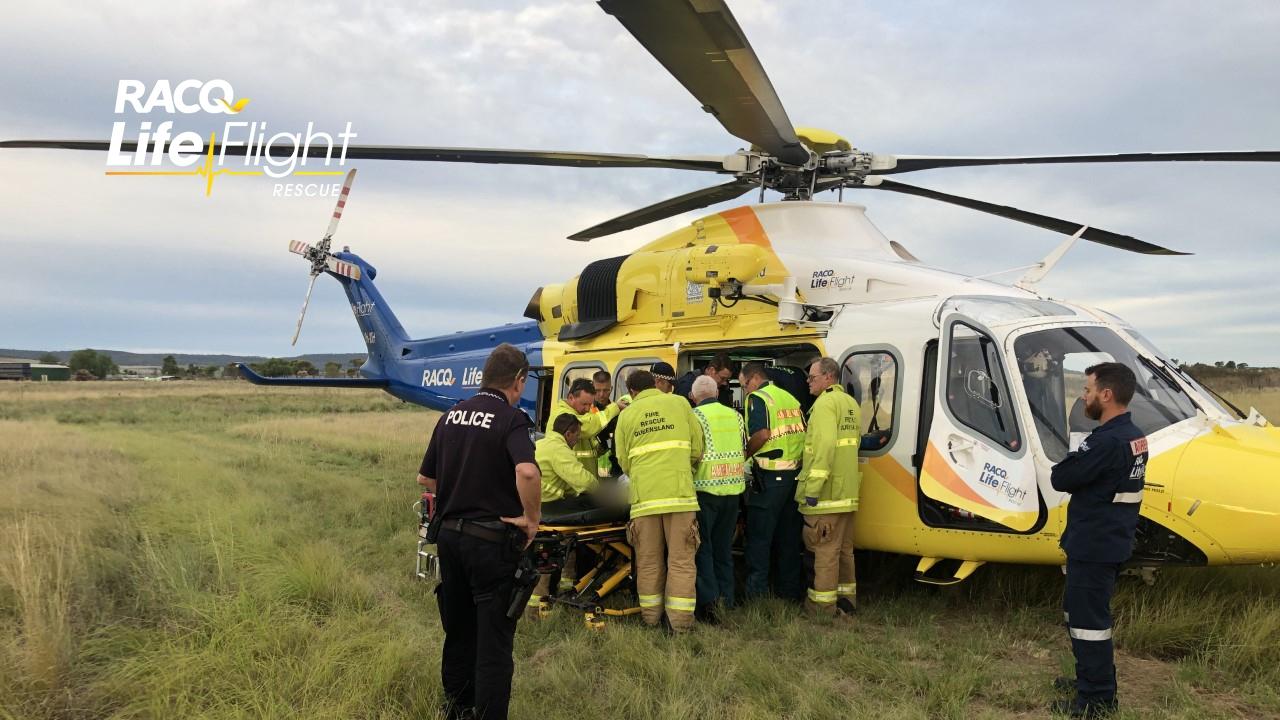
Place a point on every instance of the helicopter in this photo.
(972, 386)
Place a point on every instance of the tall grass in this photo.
(222, 551)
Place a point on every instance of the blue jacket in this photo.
(1105, 477)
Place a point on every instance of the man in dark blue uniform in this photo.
(1105, 477)
(480, 464)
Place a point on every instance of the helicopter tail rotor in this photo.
(321, 259)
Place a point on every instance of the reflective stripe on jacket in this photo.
(657, 441)
(562, 474)
(786, 429)
(831, 472)
(724, 436)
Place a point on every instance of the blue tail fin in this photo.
(383, 333)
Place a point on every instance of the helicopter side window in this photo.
(977, 392)
(575, 372)
(624, 371)
(871, 378)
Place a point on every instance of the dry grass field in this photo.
(218, 550)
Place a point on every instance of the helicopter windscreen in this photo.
(1053, 364)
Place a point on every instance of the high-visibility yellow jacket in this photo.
(658, 441)
(593, 421)
(830, 472)
(562, 475)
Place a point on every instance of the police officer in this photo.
(719, 482)
(775, 442)
(480, 464)
(658, 442)
(664, 377)
(1105, 477)
(827, 490)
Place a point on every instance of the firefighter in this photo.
(659, 441)
(827, 490)
(565, 488)
(579, 402)
(775, 443)
(480, 464)
(719, 482)
(1105, 477)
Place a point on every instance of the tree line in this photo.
(90, 364)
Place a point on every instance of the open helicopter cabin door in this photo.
(975, 472)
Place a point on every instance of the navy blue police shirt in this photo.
(473, 455)
(1105, 477)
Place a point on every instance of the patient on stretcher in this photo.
(572, 495)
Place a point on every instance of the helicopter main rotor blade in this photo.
(701, 44)
(419, 153)
(912, 163)
(667, 208)
(1066, 227)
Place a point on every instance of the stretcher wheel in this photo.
(593, 619)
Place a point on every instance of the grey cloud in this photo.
(468, 244)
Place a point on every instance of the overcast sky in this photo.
(145, 263)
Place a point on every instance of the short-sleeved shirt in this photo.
(757, 414)
(473, 455)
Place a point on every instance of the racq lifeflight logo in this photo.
(244, 147)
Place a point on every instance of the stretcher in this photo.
(606, 589)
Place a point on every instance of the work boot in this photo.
(1077, 709)
(706, 613)
(846, 606)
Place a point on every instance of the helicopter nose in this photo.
(1228, 485)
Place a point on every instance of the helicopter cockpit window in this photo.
(996, 309)
(1053, 364)
(872, 379)
(1209, 396)
(977, 392)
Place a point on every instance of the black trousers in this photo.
(476, 577)
(1086, 608)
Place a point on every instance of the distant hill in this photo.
(121, 357)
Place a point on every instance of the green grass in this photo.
(216, 550)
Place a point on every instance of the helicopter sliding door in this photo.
(975, 472)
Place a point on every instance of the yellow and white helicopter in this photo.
(973, 385)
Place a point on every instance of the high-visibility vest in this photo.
(657, 441)
(724, 437)
(786, 429)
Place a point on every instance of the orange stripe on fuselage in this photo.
(746, 226)
(940, 469)
(898, 477)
